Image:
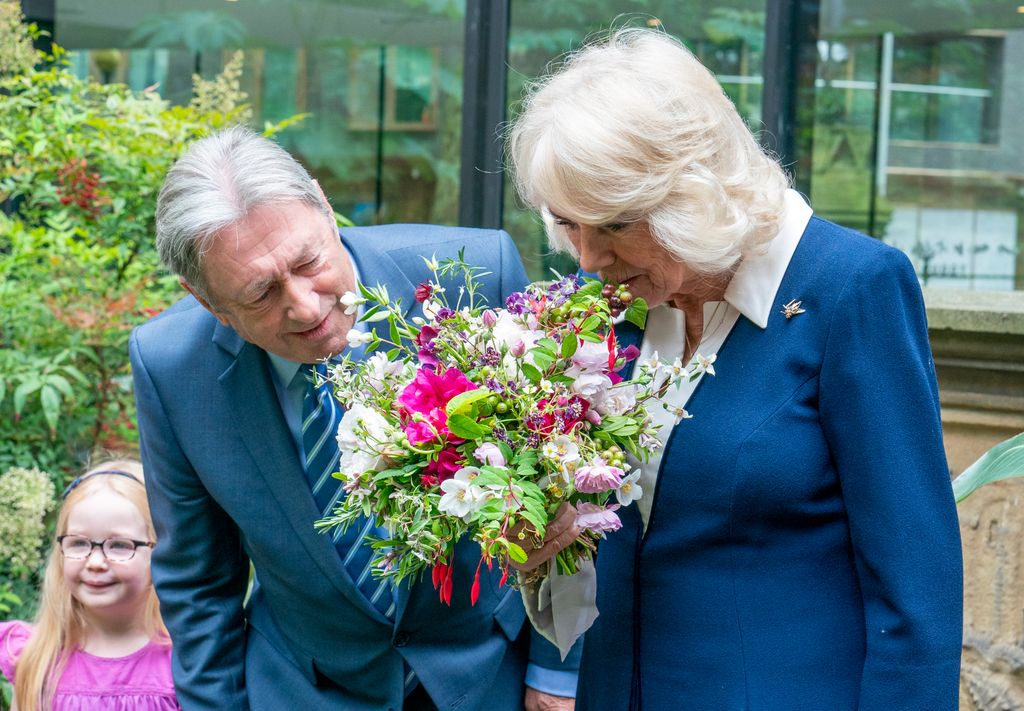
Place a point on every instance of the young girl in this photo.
(98, 641)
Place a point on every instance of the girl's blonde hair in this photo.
(60, 623)
(633, 127)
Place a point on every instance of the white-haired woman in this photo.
(796, 545)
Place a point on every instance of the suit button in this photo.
(401, 639)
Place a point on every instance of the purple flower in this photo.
(516, 303)
(560, 291)
(444, 313)
(591, 517)
(490, 357)
(598, 477)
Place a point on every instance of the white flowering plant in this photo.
(482, 422)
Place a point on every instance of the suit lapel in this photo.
(257, 418)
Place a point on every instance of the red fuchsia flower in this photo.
(591, 517)
(443, 468)
(424, 291)
(428, 395)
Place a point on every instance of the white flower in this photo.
(617, 401)
(351, 301)
(430, 309)
(508, 330)
(679, 413)
(591, 386)
(355, 337)
(629, 491)
(546, 386)
(705, 364)
(561, 449)
(676, 370)
(379, 370)
(362, 435)
(653, 364)
(460, 497)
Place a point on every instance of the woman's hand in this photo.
(560, 532)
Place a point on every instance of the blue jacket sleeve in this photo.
(199, 568)
(547, 671)
(879, 410)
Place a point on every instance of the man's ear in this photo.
(206, 304)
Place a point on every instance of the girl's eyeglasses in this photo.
(117, 549)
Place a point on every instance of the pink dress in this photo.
(139, 682)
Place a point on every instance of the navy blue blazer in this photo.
(803, 550)
(226, 487)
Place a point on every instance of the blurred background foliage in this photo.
(81, 164)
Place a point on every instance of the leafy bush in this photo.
(81, 165)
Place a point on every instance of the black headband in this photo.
(80, 479)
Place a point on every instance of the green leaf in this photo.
(50, 399)
(636, 314)
(569, 345)
(548, 345)
(543, 359)
(22, 392)
(1004, 461)
(516, 553)
(58, 382)
(463, 402)
(590, 323)
(531, 373)
(393, 330)
(466, 427)
(591, 287)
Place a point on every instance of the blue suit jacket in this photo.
(226, 487)
(803, 550)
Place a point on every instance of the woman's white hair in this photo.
(635, 128)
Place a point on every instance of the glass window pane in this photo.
(728, 37)
(381, 81)
(917, 137)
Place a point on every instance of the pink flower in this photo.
(598, 477)
(591, 517)
(489, 318)
(443, 468)
(428, 395)
(490, 454)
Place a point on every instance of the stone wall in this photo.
(978, 342)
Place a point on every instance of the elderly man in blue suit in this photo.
(221, 397)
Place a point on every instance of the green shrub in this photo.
(81, 165)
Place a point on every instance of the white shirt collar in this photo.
(753, 287)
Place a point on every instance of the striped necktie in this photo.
(320, 417)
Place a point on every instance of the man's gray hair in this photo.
(217, 182)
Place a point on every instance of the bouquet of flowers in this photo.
(482, 422)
